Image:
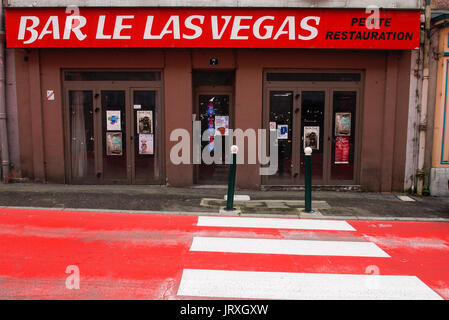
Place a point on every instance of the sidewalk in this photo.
(327, 204)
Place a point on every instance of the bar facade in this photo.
(109, 95)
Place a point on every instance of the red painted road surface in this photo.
(142, 256)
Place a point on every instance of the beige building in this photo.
(439, 172)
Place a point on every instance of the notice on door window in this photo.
(222, 125)
(341, 150)
(342, 124)
(145, 122)
(312, 137)
(114, 144)
(282, 132)
(146, 144)
(211, 123)
(113, 122)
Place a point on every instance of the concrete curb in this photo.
(317, 216)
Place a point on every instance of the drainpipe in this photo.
(3, 127)
(425, 93)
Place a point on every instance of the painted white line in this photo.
(302, 286)
(239, 197)
(275, 223)
(406, 198)
(293, 247)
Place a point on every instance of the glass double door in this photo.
(114, 136)
(323, 119)
(215, 114)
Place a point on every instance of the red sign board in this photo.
(212, 28)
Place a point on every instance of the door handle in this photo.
(296, 110)
(295, 175)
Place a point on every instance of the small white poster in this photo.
(145, 122)
(50, 95)
(282, 132)
(222, 125)
(272, 125)
(312, 137)
(342, 124)
(146, 144)
(114, 144)
(113, 120)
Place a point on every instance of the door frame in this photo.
(326, 134)
(266, 127)
(329, 88)
(158, 142)
(96, 87)
(211, 90)
(297, 132)
(358, 135)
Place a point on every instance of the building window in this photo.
(112, 76)
(312, 77)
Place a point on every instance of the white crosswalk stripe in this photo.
(297, 286)
(275, 223)
(301, 286)
(293, 247)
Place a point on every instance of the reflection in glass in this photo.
(312, 130)
(114, 135)
(213, 173)
(309, 77)
(281, 108)
(112, 76)
(81, 134)
(343, 131)
(146, 157)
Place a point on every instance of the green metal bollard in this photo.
(231, 182)
(308, 180)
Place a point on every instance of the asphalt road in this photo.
(50, 254)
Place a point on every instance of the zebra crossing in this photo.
(247, 284)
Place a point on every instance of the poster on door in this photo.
(114, 144)
(312, 137)
(145, 122)
(211, 124)
(341, 150)
(282, 132)
(222, 125)
(146, 143)
(113, 122)
(342, 124)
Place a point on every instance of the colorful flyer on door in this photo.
(222, 125)
(146, 144)
(114, 144)
(282, 132)
(145, 122)
(312, 137)
(210, 107)
(211, 124)
(341, 150)
(113, 120)
(342, 124)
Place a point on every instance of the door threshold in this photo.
(210, 186)
(351, 187)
